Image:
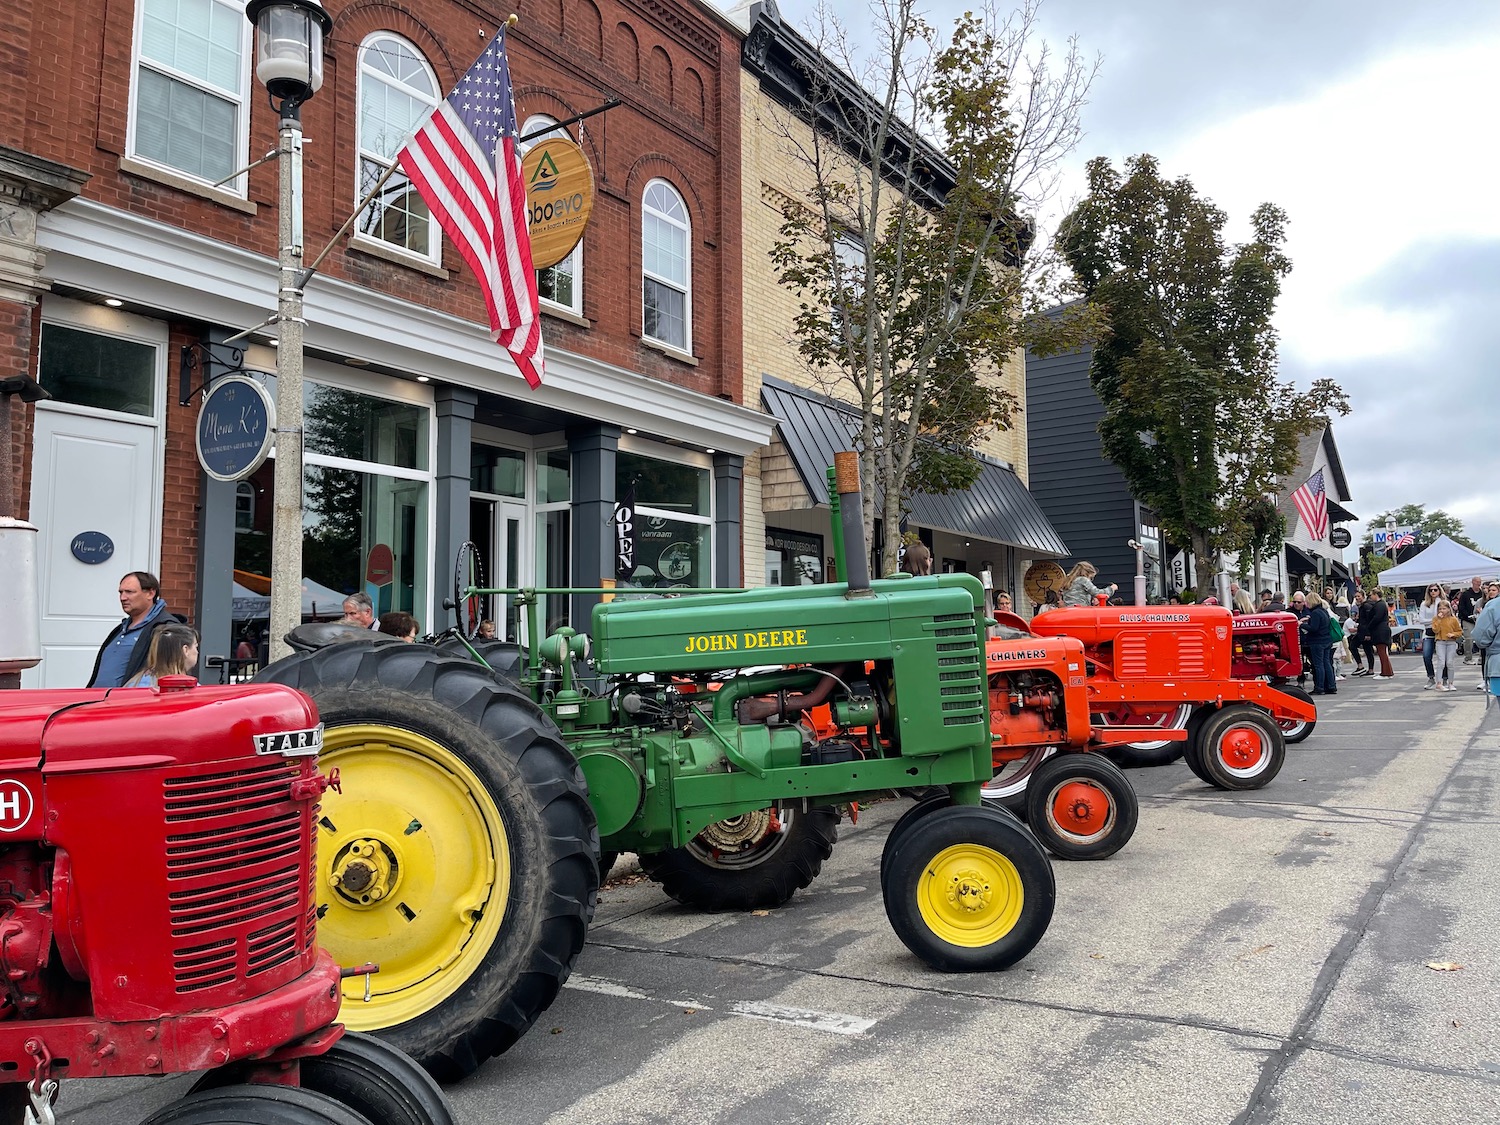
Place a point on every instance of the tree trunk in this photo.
(1205, 564)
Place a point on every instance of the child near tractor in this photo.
(1446, 631)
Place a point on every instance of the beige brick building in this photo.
(996, 526)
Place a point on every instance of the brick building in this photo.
(994, 527)
(117, 252)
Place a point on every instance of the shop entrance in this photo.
(497, 526)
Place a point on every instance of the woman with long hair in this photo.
(1424, 617)
(173, 652)
(1317, 638)
(1080, 589)
(1375, 631)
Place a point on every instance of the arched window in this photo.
(244, 507)
(562, 284)
(397, 89)
(666, 267)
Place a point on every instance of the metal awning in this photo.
(998, 507)
(1337, 513)
(1299, 561)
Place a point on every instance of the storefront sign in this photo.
(236, 427)
(1041, 577)
(625, 540)
(1339, 538)
(380, 567)
(92, 547)
(559, 198)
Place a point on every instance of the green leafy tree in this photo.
(1426, 525)
(910, 259)
(1265, 534)
(1194, 413)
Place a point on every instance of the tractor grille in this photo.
(962, 675)
(240, 896)
(1161, 656)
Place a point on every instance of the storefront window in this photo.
(360, 427)
(553, 480)
(362, 531)
(793, 558)
(104, 372)
(665, 485)
(497, 472)
(673, 520)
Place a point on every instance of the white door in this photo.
(511, 568)
(89, 473)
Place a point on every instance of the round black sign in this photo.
(92, 547)
(1339, 538)
(236, 427)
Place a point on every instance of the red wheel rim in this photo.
(1242, 748)
(1080, 808)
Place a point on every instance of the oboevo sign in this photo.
(559, 198)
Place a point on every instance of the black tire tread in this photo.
(377, 1080)
(1307, 729)
(257, 1105)
(500, 1001)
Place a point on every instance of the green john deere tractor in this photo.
(481, 791)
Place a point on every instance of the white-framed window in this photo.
(666, 267)
(674, 516)
(244, 507)
(190, 76)
(397, 89)
(560, 285)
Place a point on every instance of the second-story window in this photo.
(562, 284)
(397, 89)
(666, 267)
(190, 78)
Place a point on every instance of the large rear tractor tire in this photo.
(749, 862)
(1081, 806)
(461, 855)
(1153, 752)
(376, 1080)
(1240, 747)
(257, 1105)
(968, 889)
(1295, 730)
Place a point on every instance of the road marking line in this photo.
(836, 1023)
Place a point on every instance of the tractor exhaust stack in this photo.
(852, 514)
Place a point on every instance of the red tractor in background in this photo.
(1163, 670)
(1267, 646)
(158, 915)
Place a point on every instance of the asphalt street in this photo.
(1326, 949)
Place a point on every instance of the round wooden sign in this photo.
(1041, 577)
(559, 198)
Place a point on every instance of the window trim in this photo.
(358, 238)
(686, 226)
(239, 185)
(672, 456)
(535, 121)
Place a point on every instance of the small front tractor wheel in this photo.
(375, 1079)
(1081, 806)
(257, 1105)
(1295, 730)
(968, 889)
(1240, 747)
(931, 801)
(461, 856)
(749, 862)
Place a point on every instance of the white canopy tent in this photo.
(317, 601)
(1445, 561)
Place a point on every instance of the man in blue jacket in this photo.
(124, 651)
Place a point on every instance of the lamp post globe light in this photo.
(289, 63)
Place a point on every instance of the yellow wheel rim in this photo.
(970, 895)
(413, 871)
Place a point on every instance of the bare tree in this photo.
(910, 246)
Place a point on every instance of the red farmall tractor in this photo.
(158, 915)
(1268, 647)
(1149, 676)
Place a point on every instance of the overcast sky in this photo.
(1373, 123)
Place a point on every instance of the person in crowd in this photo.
(1425, 612)
(1299, 604)
(174, 652)
(1003, 604)
(1050, 600)
(916, 559)
(1263, 605)
(1209, 600)
(1277, 603)
(123, 653)
(359, 610)
(1351, 632)
(1446, 633)
(486, 630)
(402, 626)
(1316, 629)
(1485, 636)
(1470, 599)
(1375, 632)
(1080, 589)
(1242, 603)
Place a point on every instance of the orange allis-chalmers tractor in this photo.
(1075, 680)
(157, 911)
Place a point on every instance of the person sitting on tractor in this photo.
(1081, 589)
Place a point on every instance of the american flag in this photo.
(465, 163)
(1404, 540)
(1312, 506)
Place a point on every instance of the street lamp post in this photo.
(289, 63)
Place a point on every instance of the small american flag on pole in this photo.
(465, 163)
(1312, 505)
(1404, 540)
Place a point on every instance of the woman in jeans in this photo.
(1424, 615)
